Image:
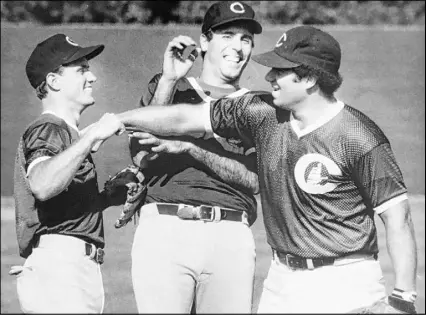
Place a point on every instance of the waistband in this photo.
(202, 212)
(301, 263)
(71, 245)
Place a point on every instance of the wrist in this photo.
(403, 300)
(191, 149)
(168, 80)
(409, 296)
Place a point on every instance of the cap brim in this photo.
(255, 25)
(86, 52)
(273, 60)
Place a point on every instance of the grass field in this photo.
(383, 72)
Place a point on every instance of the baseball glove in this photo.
(126, 188)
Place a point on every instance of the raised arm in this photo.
(176, 65)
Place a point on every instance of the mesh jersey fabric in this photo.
(318, 191)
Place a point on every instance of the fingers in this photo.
(180, 42)
(191, 53)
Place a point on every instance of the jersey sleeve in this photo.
(380, 178)
(238, 117)
(44, 141)
(149, 91)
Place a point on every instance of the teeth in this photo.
(232, 59)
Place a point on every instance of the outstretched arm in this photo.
(233, 168)
(167, 120)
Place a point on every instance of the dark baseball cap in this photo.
(303, 45)
(224, 12)
(58, 50)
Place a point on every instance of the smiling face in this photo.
(287, 88)
(75, 83)
(228, 51)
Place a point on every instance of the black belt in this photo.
(97, 254)
(204, 213)
(296, 262)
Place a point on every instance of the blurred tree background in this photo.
(192, 12)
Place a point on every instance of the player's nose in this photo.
(91, 77)
(270, 76)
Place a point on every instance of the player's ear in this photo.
(52, 81)
(310, 81)
(204, 43)
(311, 84)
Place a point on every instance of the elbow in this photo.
(255, 184)
(40, 194)
(255, 189)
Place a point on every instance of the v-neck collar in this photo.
(197, 87)
(319, 123)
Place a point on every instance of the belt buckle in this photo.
(212, 214)
(293, 263)
(215, 214)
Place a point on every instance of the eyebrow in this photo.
(233, 33)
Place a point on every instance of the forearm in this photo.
(230, 170)
(50, 177)
(402, 249)
(163, 92)
(165, 120)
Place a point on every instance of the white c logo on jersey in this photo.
(281, 40)
(70, 41)
(311, 173)
(234, 8)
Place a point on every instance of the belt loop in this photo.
(310, 264)
(217, 215)
(244, 218)
(93, 250)
(275, 256)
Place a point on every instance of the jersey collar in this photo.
(320, 122)
(73, 126)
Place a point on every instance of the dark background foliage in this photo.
(192, 12)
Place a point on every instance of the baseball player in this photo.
(58, 205)
(325, 170)
(193, 244)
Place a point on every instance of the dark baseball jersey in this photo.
(75, 211)
(319, 187)
(182, 179)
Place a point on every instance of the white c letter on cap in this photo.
(70, 41)
(282, 39)
(237, 7)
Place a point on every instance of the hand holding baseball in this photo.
(179, 57)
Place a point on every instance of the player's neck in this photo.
(68, 113)
(308, 112)
(211, 78)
